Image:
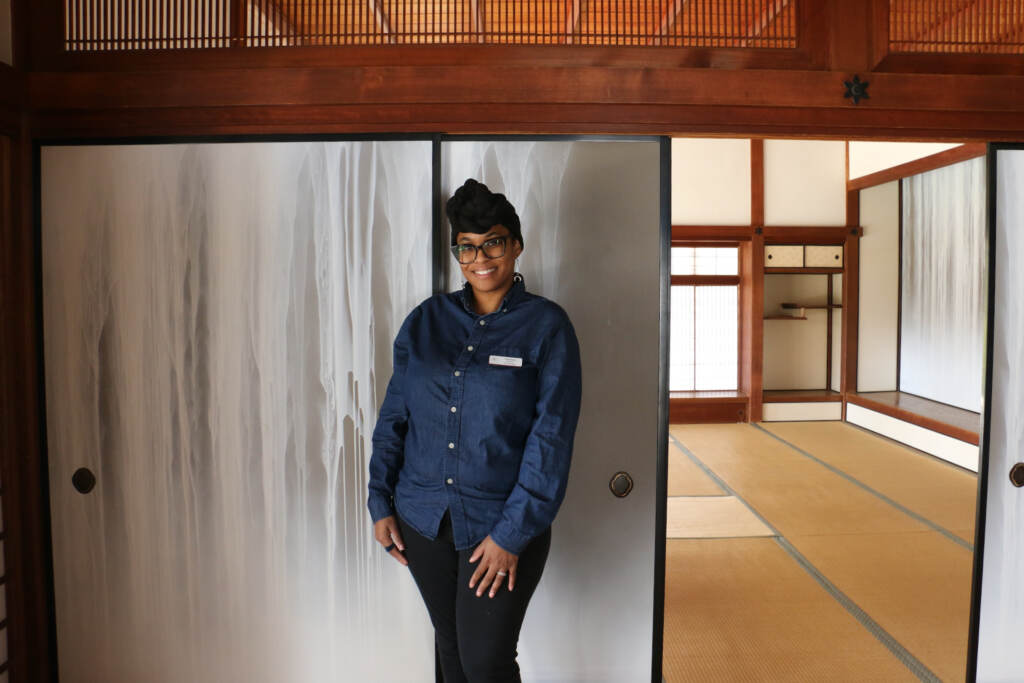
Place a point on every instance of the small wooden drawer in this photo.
(817, 256)
(783, 256)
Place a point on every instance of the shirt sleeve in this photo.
(544, 471)
(389, 433)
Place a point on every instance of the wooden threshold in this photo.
(694, 407)
(958, 423)
(801, 396)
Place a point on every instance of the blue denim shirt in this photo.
(479, 419)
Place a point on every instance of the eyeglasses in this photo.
(492, 248)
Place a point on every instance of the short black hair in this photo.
(474, 208)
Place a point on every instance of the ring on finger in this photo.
(502, 573)
(389, 548)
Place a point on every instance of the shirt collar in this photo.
(511, 296)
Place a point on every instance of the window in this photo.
(704, 348)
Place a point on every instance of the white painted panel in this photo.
(1002, 591)
(574, 199)
(796, 412)
(941, 446)
(823, 256)
(804, 182)
(710, 181)
(219, 321)
(783, 256)
(870, 157)
(6, 36)
(942, 322)
(879, 288)
(794, 352)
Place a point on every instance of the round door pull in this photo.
(1017, 475)
(621, 484)
(83, 480)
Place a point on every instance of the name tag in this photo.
(506, 360)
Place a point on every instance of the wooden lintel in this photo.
(954, 155)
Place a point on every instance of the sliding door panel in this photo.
(590, 215)
(1001, 624)
(218, 321)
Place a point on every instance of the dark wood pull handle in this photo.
(621, 484)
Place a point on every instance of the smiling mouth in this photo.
(485, 272)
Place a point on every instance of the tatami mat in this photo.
(686, 479)
(712, 517)
(912, 580)
(944, 494)
(742, 610)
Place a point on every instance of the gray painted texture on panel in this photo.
(1002, 593)
(942, 328)
(218, 321)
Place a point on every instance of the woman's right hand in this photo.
(386, 532)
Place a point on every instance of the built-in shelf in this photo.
(785, 317)
(800, 396)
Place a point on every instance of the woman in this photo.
(472, 447)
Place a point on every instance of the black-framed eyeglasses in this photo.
(492, 248)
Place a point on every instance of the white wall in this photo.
(804, 182)
(710, 181)
(871, 157)
(6, 37)
(879, 288)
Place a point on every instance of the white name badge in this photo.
(507, 360)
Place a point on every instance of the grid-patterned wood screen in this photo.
(957, 26)
(174, 24)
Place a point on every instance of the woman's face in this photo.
(487, 274)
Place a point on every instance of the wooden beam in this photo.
(695, 233)
(805, 234)
(757, 182)
(947, 157)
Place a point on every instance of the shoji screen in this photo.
(590, 219)
(218, 321)
(942, 324)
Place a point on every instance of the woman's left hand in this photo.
(495, 564)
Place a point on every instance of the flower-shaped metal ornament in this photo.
(856, 90)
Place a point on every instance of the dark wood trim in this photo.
(755, 311)
(803, 234)
(853, 207)
(757, 182)
(715, 235)
(851, 314)
(704, 243)
(970, 150)
(949, 63)
(828, 332)
(899, 284)
(850, 37)
(695, 411)
(913, 418)
(705, 280)
(879, 39)
(801, 396)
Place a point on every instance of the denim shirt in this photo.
(479, 419)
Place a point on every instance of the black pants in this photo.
(476, 637)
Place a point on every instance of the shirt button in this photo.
(457, 373)
(450, 480)
(483, 322)
(451, 445)
(469, 348)
(453, 409)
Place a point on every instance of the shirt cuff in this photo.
(380, 507)
(510, 538)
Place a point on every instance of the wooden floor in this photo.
(867, 573)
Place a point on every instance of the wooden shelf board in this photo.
(801, 396)
(785, 317)
(803, 271)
